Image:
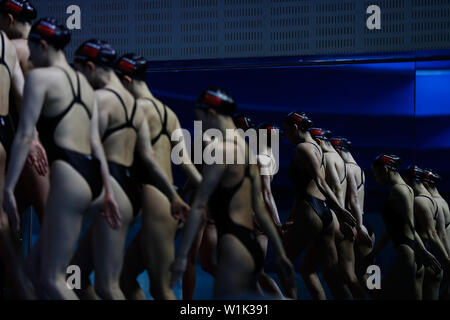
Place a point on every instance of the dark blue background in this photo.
(402, 108)
(397, 107)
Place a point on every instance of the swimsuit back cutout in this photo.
(128, 119)
(2, 56)
(47, 125)
(219, 205)
(362, 175)
(86, 165)
(434, 204)
(163, 119)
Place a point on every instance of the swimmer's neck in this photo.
(419, 188)
(347, 157)
(21, 32)
(434, 192)
(140, 90)
(57, 58)
(395, 178)
(110, 79)
(327, 147)
(306, 138)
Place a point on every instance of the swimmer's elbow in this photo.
(432, 233)
(26, 136)
(267, 196)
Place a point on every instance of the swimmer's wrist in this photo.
(8, 190)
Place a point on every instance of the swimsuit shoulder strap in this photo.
(163, 120)
(362, 178)
(121, 101)
(78, 96)
(434, 204)
(133, 113)
(68, 78)
(408, 187)
(320, 151)
(2, 57)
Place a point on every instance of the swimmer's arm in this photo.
(335, 182)
(425, 220)
(353, 200)
(186, 165)
(440, 228)
(319, 177)
(102, 103)
(17, 86)
(261, 214)
(269, 200)
(404, 205)
(147, 154)
(97, 149)
(34, 95)
(212, 174)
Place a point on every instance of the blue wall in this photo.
(402, 108)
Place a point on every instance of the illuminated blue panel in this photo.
(433, 88)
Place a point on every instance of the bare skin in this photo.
(47, 91)
(336, 177)
(443, 221)
(9, 251)
(306, 230)
(205, 244)
(108, 246)
(403, 280)
(424, 212)
(234, 277)
(156, 239)
(34, 184)
(267, 284)
(354, 201)
(443, 230)
(206, 241)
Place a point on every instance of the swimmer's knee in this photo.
(161, 291)
(48, 283)
(107, 289)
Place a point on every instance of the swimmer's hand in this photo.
(111, 211)
(285, 227)
(177, 269)
(37, 157)
(430, 261)
(10, 207)
(348, 231)
(346, 217)
(363, 236)
(286, 274)
(180, 209)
